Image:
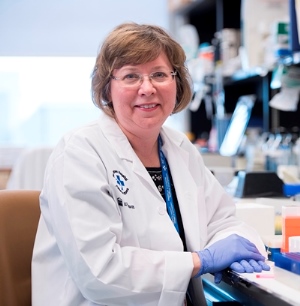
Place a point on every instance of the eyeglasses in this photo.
(136, 79)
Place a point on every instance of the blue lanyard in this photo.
(167, 185)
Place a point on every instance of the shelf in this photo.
(239, 77)
(245, 76)
(210, 17)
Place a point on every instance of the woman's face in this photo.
(143, 107)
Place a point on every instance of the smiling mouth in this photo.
(147, 106)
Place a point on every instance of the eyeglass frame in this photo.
(141, 78)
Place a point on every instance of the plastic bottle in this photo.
(290, 225)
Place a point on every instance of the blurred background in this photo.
(243, 56)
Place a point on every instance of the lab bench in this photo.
(276, 287)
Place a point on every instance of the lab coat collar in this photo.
(113, 133)
(124, 150)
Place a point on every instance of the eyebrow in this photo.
(133, 68)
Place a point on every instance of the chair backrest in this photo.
(19, 216)
(28, 170)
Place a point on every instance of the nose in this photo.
(144, 78)
(146, 86)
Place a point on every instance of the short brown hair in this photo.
(132, 43)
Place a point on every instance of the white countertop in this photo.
(277, 281)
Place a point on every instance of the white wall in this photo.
(69, 27)
(45, 32)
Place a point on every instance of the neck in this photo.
(146, 150)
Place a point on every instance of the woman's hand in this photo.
(233, 251)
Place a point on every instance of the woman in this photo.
(130, 215)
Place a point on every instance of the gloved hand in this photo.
(223, 253)
(249, 266)
(244, 266)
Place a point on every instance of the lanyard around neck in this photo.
(167, 185)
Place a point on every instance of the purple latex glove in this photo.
(224, 253)
(244, 266)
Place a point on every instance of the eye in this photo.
(159, 76)
(131, 77)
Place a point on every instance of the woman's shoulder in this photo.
(90, 128)
(177, 137)
(174, 133)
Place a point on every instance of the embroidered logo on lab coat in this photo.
(120, 181)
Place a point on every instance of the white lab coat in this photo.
(105, 237)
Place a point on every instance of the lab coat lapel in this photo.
(186, 191)
(124, 150)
